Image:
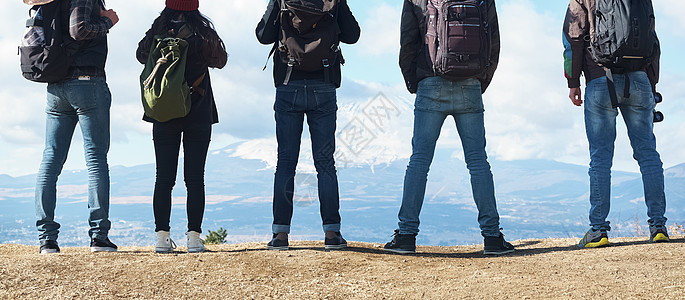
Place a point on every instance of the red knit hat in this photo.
(183, 5)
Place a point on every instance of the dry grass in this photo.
(629, 269)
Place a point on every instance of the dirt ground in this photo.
(540, 269)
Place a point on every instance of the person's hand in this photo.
(576, 96)
(110, 14)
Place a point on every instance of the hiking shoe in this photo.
(401, 243)
(48, 247)
(496, 245)
(336, 243)
(594, 238)
(277, 244)
(98, 245)
(194, 242)
(164, 243)
(658, 234)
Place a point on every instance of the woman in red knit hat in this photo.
(183, 5)
(205, 50)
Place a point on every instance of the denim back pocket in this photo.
(325, 99)
(641, 91)
(285, 99)
(472, 98)
(55, 101)
(428, 94)
(84, 94)
(597, 94)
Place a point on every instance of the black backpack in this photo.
(458, 37)
(624, 40)
(45, 50)
(309, 36)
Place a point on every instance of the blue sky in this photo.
(528, 114)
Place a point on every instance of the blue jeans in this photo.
(436, 99)
(317, 100)
(600, 126)
(167, 140)
(86, 103)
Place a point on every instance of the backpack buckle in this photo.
(326, 63)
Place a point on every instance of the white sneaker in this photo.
(164, 243)
(194, 242)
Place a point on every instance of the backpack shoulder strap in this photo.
(277, 43)
(195, 88)
(184, 32)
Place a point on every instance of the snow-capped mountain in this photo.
(536, 199)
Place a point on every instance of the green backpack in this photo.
(164, 90)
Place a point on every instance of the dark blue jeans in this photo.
(167, 140)
(87, 103)
(316, 100)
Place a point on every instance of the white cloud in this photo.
(381, 34)
(528, 113)
(243, 92)
(669, 15)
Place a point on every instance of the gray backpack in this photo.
(623, 40)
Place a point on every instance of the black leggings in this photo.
(167, 140)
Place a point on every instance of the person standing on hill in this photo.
(181, 18)
(448, 56)
(628, 87)
(82, 97)
(306, 35)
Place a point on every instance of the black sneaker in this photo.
(277, 244)
(401, 243)
(335, 243)
(48, 247)
(496, 245)
(658, 234)
(98, 245)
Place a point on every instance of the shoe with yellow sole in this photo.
(594, 238)
(658, 234)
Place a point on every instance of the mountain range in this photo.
(536, 199)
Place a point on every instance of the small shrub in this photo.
(216, 237)
(676, 229)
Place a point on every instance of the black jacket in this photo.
(269, 28)
(88, 33)
(201, 56)
(415, 61)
